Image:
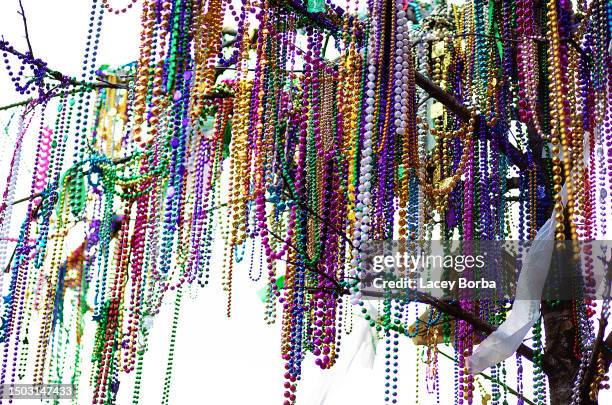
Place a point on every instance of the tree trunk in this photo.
(560, 336)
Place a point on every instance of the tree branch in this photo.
(477, 323)
(17, 104)
(448, 100)
(495, 380)
(54, 74)
(25, 27)
(306, 207)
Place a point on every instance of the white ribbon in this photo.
(503, 343)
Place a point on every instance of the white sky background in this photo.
(217, 361)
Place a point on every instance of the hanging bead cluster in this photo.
(306, 134)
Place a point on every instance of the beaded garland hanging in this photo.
(411, 129)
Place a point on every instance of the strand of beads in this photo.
(363, 206)
(83, 100)
(558, 108)
(8, 196)
(117, 11)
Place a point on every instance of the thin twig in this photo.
(28, 198)
(33, 214)
(17, 104)
(339, 289)
(313, 269)
(295, 198)
(8, 264)
(534, 38)
(325, 46)
(277, 237)
(25, 27)
(48, 96)
(211, 96)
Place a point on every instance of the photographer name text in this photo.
(423, 284)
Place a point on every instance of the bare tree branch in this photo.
(25, 27)
(495, 380)
(515, 156)
(17, 104)
(477, 323)
(56, 75)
